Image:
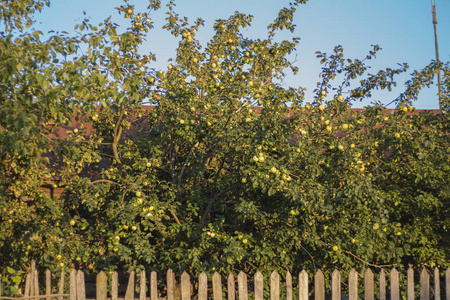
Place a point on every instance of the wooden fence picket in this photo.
(369, 288)
(48, 284)
(231, 288)
(115, 286)
(382, 285)
(274, 286)
(153, 285)
(303, 290)
(203, 286)
(336, 285)
(395, 285)
(217, 286)
(259, 286)
(353, 285)
(242, 286)
(101, 286)
(170, 285)
(437, 285)
(185, 286)
(61, 285)
(142, 286)
(81, 289)
(289, 292)
(410, 285)
(129, 294)
(424, 284)
(319, 286)
(73, 285)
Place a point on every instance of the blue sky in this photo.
(403, 29)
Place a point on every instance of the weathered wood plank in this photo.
(32, 278)
(395, 285)
(48, 284)
(410, 285)
(102, 286)
(437, 285)
(424, 284)
(369, 288)
(61, 285)
(303, 285)
(336, 285)
(231, 288)
(353, 285)
(129, 294)
(319, 286)
(153, 285)
(142, 285)
(274, 286)
(36, 283)
(115, 286)
(259, 286)
(73, 285)
(81, 289)
(447, 284)
(242, 286)
(203, 286)
(382, 285)
(289, 293)
(217, 286)
(27, 285)
(170, 285)
(185, 286)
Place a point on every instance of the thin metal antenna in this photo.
(433, 7)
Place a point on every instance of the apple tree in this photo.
(228, 169)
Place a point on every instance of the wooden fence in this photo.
(307, 288)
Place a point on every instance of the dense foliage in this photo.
(229, 171)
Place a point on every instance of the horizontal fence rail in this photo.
(358, 286)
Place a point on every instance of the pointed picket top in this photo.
(115, 286)
(274, 286)
(336, 285)
(289, 293)
(303, 290)
(73, 285)
(185, 286)
(259, 286)
(203, 286)
(369, 289)
(129, 294)
(424, 284)
(153, 285)
(319, 286)
(231, 288)
(142, 285)
(242, 286)
(382, 285)
(170, 285)
(217, 286)
(395, 285)
(410, 284)
(353, 285)
(437, 284)
(101, 286)
(81, 290)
